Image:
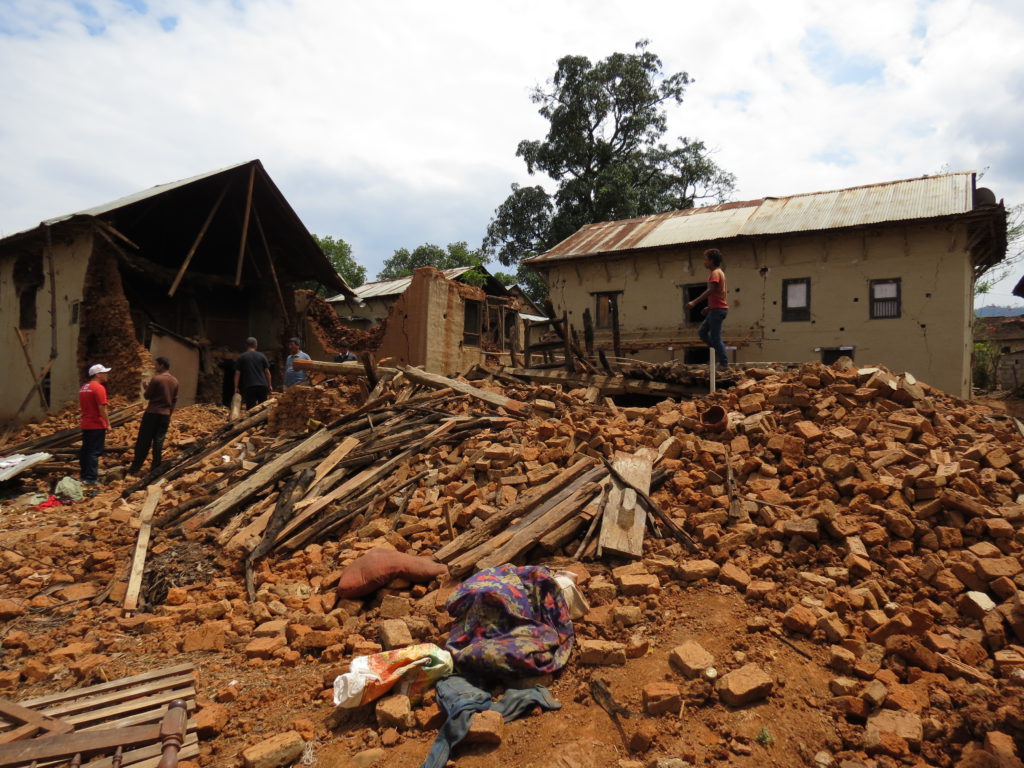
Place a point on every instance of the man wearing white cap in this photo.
(92, 398)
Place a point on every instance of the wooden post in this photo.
(613, 311)
(370, 366)
(197, 241)
(568, 343)
(31, 368)
(53, 295)
(588, 333)
(131, 597)
(270, 261)
(713, 365)
(245, 225)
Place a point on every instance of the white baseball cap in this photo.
(98, 368)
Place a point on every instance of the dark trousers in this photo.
(710, 332)
(255, 395)
(93, 441)
(152, 432)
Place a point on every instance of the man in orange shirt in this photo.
(162, 394)
(92, 398)
(710, 330)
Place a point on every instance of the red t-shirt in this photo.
(716, 299)
(90, 397)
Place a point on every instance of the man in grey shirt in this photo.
(291, 376)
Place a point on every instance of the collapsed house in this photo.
(185, 270)
(1004, 337)
(438, 320)
(880, 273)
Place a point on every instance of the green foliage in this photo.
(1014, 251)
(605, 152)
(986, 364)
(404, 261)
(764, 738)
(339, 253)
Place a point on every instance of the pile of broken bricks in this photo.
(871, 523)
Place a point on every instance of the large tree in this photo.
(605, 153)
(404, 261)
(339, 253)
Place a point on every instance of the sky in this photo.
(395, 123)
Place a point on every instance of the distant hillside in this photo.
(994, 311)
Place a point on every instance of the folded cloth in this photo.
(510, 621)
(370, 677)
(460, 700)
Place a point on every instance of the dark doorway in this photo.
(830, 354)
(693, 316)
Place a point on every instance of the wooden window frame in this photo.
(795, 314)
(875, 304)
(471, 337)
(614, 301)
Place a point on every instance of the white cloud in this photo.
(391, 124)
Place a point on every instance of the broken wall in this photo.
(931, 337)
(70, 255)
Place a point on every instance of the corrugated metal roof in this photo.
(927, 197)
(19, 462)
(383, 288)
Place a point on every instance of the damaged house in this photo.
(882, 273)
(186, 270)
(438, 320)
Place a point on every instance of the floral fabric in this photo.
(510, 621)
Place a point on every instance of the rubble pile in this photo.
(331, 332)
(862, 529)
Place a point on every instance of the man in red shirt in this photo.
(710, 330)
(92, 398)
(162, 394)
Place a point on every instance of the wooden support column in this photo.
(588, 333)
(568, 343)
(245, 225)
(613, 311)
(270, 261)
(36, 385)
(197, 241)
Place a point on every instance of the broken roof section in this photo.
(924, 198)
(386, 288)
(209, 211)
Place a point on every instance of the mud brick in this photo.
(843, 686)
(394, 712)
(875, 693)
(158, 623)
(952, 499)
(997, 458)
(759, 589)
(905, 725)
(995, 632)
(913, 652)
(945, 582)
(802, 526)
(991, 568)
(949, 538)
(84, 668)
(899, 624)
(835, 630)
(282, 749)
(747, 684)
(271, 628)
(975, 604)
(640, 584)
(851, 706)
(1003, 588)
(1008, 660)
(627, 615)
(207, 637)
(1003, 748)
(899, 525)
(264, 647)
(808, 430)
(967, 574)
(602, 653)
(394, 607)
(694, 570)
(751, 403)
(485, 728)
(999, 528)
(734, 576)
(661, 698)
(984, 549)
(800, 619)
(843, 435)
(842, 659)
(866, 669)
(691, 659)
(394, 633)
(211, 720)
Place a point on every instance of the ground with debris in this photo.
(852, 598)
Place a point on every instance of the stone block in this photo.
(744, 686)
(282, 749)
(694, 570)
(602, 653)
(394, 633)
(661, 698)
(800, 619)
(485, 728)
(691, 659)
(394, 712)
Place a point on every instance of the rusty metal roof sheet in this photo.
(384, 288)
(927, 197)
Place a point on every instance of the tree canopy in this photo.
(404, 261)
(606, 154)
(339, 253)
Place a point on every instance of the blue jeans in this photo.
(710, 332)
(93, 441)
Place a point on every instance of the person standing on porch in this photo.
(714, 313)
(92, 399)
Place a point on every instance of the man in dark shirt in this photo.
(345, 355)
(252, 374)
(162, 394)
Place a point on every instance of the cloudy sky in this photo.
(395, 123)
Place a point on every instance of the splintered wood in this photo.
(622, 526)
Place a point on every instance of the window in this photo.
(28, 279)
(691, 292)
(472, 312)
(796, 299)
(607, 309)
(885, 298)
(76, 307)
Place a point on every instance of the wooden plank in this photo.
(149, 716)
(112, 685)
(70, 709)
(609, 384)
(131, 596)
(338, 369)
(524, 504)
(197, 241)
(270, 263)
(436, 381)
(269, 473)
(245, 224)
(528, 536)
(31, 368)
(31, 722)
(70, 744)
(622, 526)
(343, 449)
(149, 756)
(88, 718)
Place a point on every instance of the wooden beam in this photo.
(270, 261)
(245, 225)
(131, 596)
(338, 369)
(31, 722)
(269, 473)
(72, 744)
(25, 402)
(31, 368)
(436, 381)
(197, 241)
(614, 384)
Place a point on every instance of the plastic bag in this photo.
(69, 488)
(578, 605)
(370, 677)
